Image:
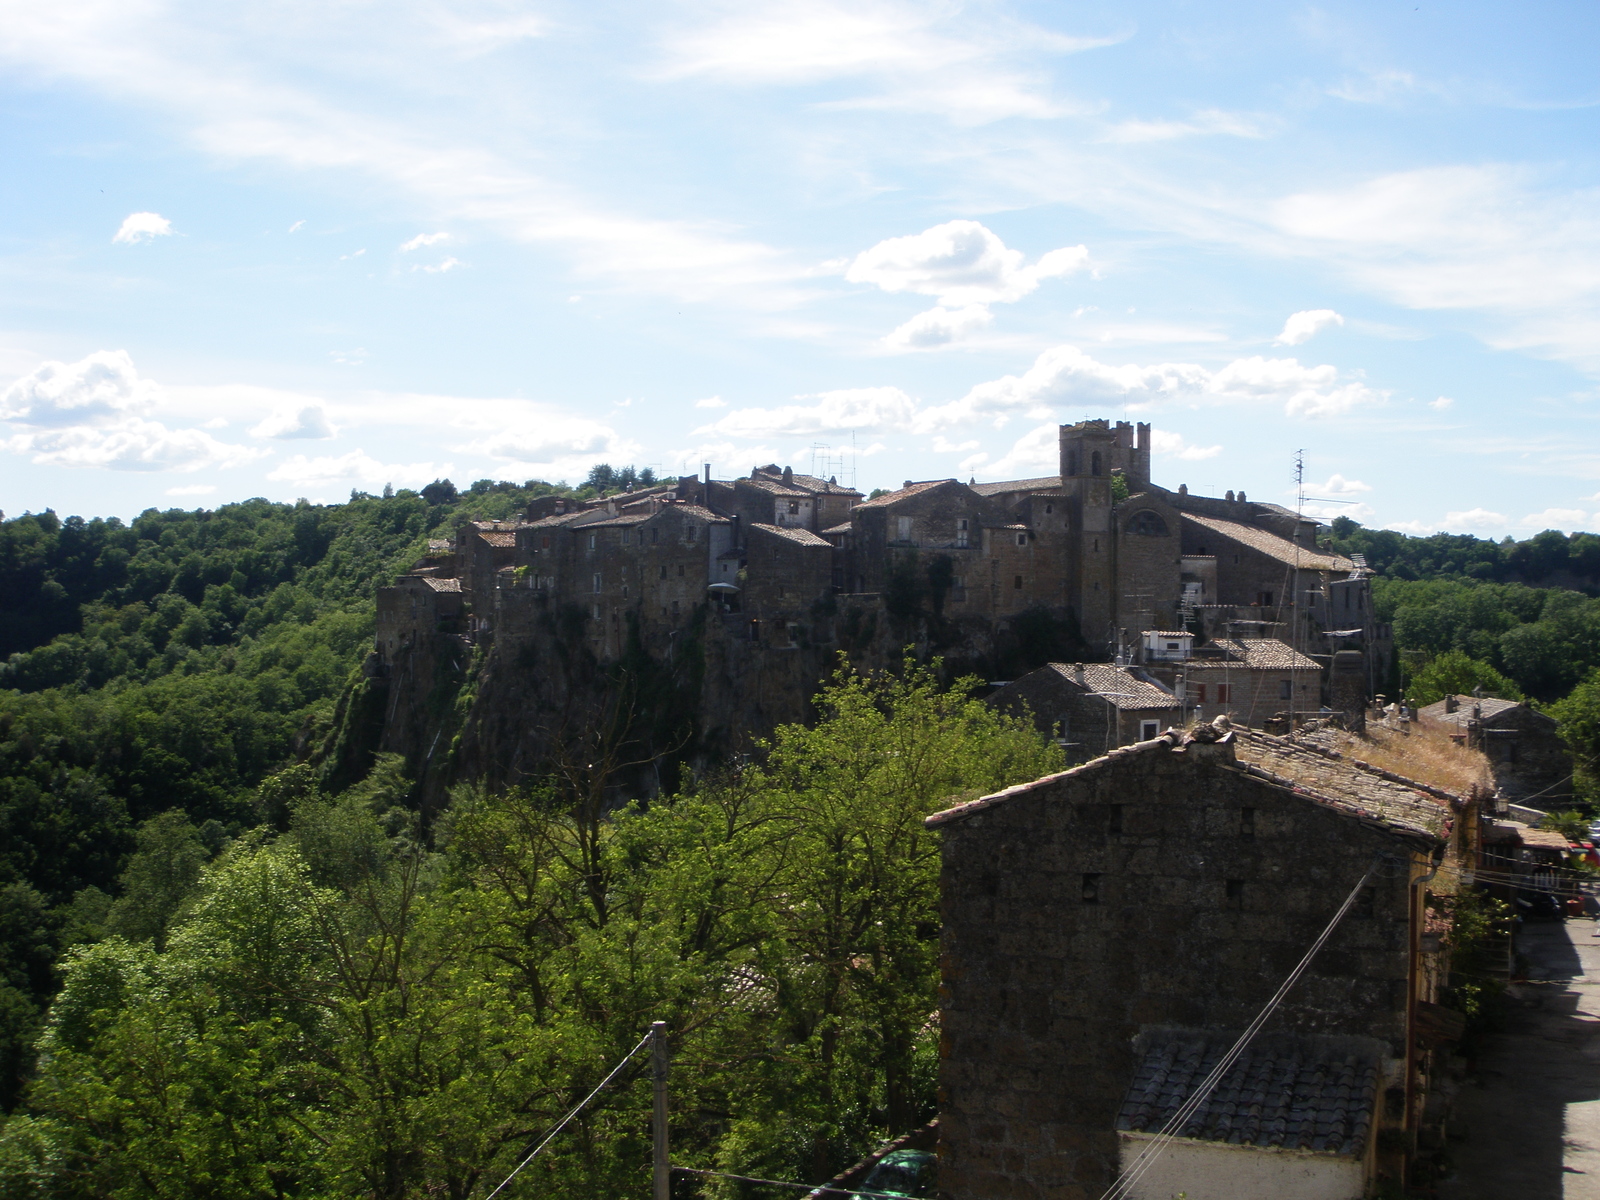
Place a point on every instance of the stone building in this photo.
(1248, 679)
(1090, 708)
(416, 606)
(1530, 762)
(1108, 930)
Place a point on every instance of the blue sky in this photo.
(289, 249)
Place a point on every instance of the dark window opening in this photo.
(1366, 904)
(1091, 889)
(1017, 583)
(1234, 890)
(1114, 819)
(1147, 523)
(1264, 599)
(1094, 463)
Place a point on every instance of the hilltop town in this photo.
(742, 592)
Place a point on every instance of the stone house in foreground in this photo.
(1527, 757)
(1109, 930)
(1090, 708)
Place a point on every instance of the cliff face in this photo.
(533, 700)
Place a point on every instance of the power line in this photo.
(1123, 1184)
(799, 1187)
(566, 1120)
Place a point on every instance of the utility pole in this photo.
(658, 1122)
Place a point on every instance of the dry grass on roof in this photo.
(1426, 755)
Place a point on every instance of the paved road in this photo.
(1527, 1125)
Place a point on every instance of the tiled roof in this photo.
(1118, 686)
(627, 521)
(773, 486)
(436, 544)
(905, 493)
(803, 536)
(699, 512)
(1488, 708)
(582, 516)
(812, 484)
(1174, 633)
(1282, 1094)
(442, 585)
(1346, 784)
(1272, 545)
(495, 538)
(1041, 484)
(844, 527)
(1267, 654)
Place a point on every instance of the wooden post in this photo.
(658, 1074)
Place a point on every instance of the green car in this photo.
(901, 1173)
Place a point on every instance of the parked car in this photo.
(901, 1173)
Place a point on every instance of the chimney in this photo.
(708, 474)
(788, 476)
(1451, 703)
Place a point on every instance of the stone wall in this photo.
(1159, 888)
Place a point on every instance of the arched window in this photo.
(1094, 463)
(1147, 523)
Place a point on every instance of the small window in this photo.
(1049, 508)
(627, 535)
(596, 612)
(1174, 646)
(1114, 819)
(1264, 599)
(624, 591)
(1366, 904)
(1222, 693)
(545, 541)
(903, 529)
(1199, 693)
(693, 534)
(674, 608)
(593, 537)
(1247, 824)
(794, 506)
(1233, 892)
(1091, 888)
(597, 581)
(1016, 583)
(1097, 545)
(1022, 539)
(663, 570)
(1148, 730)
(1285, 690)
(1094, 463)
(653, 535)
(680, 571)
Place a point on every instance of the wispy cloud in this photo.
(423, 239)
(1301, 327)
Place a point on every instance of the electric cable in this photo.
(1123, 1184)
(799, 1187)
(566, 1120)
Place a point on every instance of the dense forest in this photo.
(225, 973)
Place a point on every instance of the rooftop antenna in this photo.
(1294, 586)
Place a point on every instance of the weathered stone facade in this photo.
(1167, 887)
(1530, 762)
(1090, 708)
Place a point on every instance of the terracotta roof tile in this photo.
(905, 493)
(1044, 483)
(1272, 545)
(496, 538)
(803, 536)
(1266, 654)
(1118, 686)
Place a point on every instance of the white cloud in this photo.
(1303, 326)
(193, 489)
(423, 239)
(960, 262)
(1474, 518)
(1415, 528)
(1210, 122)
(102, 385)
(943, 446)
(294, 422)
(1037, 452)
(1557, 518)
(93, 413)
(1442, 403)
(711, 402)
(141, 227)
(356, 254)
(916, 58)
(1338, 485)
(1065, 376)
(297, 227)
(882, 408)
(130, 444)
(438, 268)
(1173, 445)
(356, 467)
(552, 437)
(939, 327)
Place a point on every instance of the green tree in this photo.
(159, 878)
(1454, 672)
(1579, 714)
